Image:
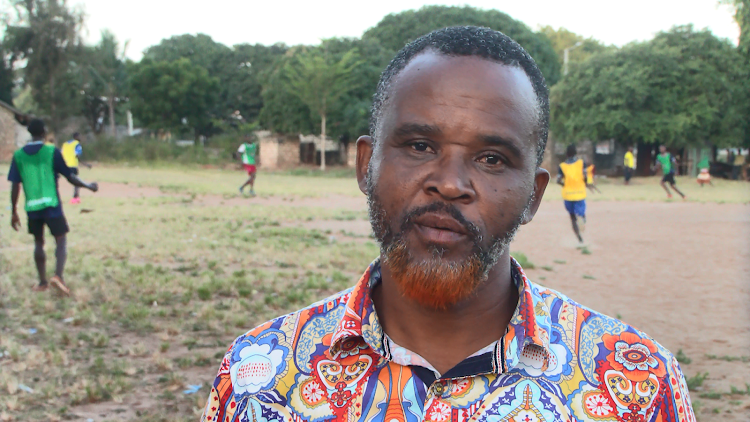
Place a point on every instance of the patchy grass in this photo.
(523, 260)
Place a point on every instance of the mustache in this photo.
(449, 209)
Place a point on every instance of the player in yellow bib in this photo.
(571, 175)
(71, 152)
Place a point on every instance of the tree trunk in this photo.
(53, 108)
(643, 160)
(111, 104)
(323, 142)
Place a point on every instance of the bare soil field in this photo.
(164, 278)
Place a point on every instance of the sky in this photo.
(146, 22)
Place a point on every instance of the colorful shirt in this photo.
(558, 361)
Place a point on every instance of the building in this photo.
(13, 133)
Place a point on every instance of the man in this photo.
(738, 162)
(71, 151)
(445, 326)
(629, 165)
(248, 150)
(571, 175)
(590, 182)
(667, 162)
(37, 167)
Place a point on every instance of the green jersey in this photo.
(38, 178)
(248, 152)
(666, 162)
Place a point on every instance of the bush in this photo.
(216, 151)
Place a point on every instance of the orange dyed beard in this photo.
(437, 283)
(434, 283)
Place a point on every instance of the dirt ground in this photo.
(678, 271)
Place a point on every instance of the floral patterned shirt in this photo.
(558, 361)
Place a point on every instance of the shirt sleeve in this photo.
(559, 172)
(218, 406)
(241, 149)
(79, 150)
(59, 164)
(676, 406)
(14, 176)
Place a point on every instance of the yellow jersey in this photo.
(70, 151)
(629, 161)
(574, 187)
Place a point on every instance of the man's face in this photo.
(453, 173)
(662, 149)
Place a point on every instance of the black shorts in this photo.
(668, 178)
(58, 226)
(628, 173)
(74, 170)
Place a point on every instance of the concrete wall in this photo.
(277, 151)
(13, 135)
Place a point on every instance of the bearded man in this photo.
(445, 326)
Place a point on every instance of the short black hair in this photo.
(36, 128)
(76, 135)
(468, 41)
(571, 151)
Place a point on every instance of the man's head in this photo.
(77, 136)
(36, 129)
(571, 151)
(662, 149)
(451, 169)
(630, 148)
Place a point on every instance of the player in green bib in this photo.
(37, 167)
(667, 162)
(248, 151)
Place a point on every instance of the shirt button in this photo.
(438, 388)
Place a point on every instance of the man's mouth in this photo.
(438, 228)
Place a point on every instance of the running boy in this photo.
(248, 150)
(590, 179)
(572, 176)
(71, 151)
(37, 167)
(667, 162)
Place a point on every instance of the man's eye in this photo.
(420, 146)
(491, 160)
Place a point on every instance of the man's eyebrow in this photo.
(408, 129)
(503, 142)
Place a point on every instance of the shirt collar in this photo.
(529, 326)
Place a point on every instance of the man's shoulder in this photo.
(297, 331)
(599, 333)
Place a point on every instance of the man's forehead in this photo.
(434, 79)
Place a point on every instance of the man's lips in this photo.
(440, 228)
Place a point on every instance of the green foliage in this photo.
(173, 95)
(562, 38)
(682, 358)
(684, 87)
(47, 35)
(397, 29)
(696, 381)
(218, 150)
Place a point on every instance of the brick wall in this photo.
(278, 151)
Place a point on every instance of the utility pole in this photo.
(566, 54)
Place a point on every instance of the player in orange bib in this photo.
(571, 175)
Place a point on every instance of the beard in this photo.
(435, 282)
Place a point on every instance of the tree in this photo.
(395, 30)
(47, 35)
(6, 75)
(173, 95)
(105, 77)
(562, 38)
(683, 88)
(319, 82)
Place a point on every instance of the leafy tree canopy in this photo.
(684, 87)
(561, 39)
(395, 30)
(173, 95)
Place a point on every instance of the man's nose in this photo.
(450, 178)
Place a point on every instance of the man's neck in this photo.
(447, 337)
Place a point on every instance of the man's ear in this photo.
(541, 179)
(364, 154)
